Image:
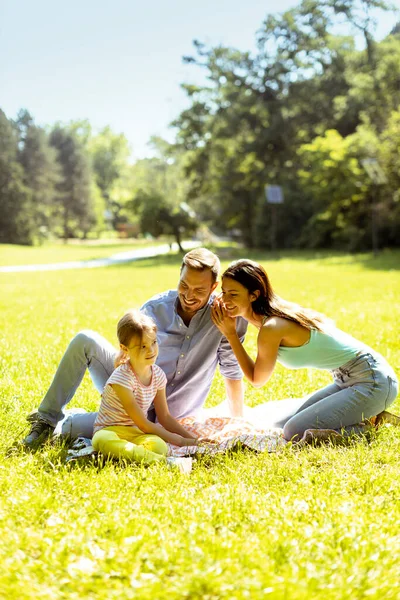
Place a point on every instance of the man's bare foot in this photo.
(387, 417)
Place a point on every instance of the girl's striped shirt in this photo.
(111, 411)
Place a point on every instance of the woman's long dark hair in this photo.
(254, 278)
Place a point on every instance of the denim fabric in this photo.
(362, 388)
(87, 350)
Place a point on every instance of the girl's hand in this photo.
(179, 440)
(205, 441)
(221, 319)
(189, 441)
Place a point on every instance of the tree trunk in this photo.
(178, 239)
(65, 226)
(248, 218)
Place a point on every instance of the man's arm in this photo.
(235, 395)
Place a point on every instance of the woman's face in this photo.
(236, 298)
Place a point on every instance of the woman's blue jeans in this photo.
(362, 388)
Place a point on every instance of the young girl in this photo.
(122, 429)
(364, 384)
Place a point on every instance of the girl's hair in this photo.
(132, 324)
(254, 278)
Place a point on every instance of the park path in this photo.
(114, 259)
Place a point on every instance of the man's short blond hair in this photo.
(201, 259)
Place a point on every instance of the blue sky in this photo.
(117, 62)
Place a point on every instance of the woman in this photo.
(363, 385)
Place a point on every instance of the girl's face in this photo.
(142, 351)
(236, 298)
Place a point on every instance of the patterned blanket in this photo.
(223, 433)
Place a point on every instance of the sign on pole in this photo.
(274, 194)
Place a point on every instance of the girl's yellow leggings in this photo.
(130, 443)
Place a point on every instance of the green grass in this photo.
(317, 523)
(12, 254)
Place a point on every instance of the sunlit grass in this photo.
(317, 523)
(12, 254)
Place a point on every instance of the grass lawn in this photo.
(316, 523)
(12, 254)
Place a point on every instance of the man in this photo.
(190, 345)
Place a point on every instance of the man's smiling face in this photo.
(194, 289)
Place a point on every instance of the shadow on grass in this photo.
(109, 244)
(165, 260)
(386, 260)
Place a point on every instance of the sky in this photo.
(118, 62)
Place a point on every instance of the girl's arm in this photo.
(137, 415)
(166, 419)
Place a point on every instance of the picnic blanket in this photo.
(224, 433)
(221, 433)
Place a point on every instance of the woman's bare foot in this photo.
(319, 436)
(387, 417)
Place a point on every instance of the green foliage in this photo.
(320, 523)
(66, 182)
(74, 188)
(17, 219)
(159, 195)
(390, 161)
(41, 173)
(159, 217)
(109, 155)
(261, 120)
(332, 180)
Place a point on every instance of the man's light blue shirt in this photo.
(189, 354)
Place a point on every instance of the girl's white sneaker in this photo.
(183, 464)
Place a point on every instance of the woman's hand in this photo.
(221, 319)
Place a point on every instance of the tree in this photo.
(110, 154)
(159, 198)
(245, 127)
(158, 217)
(16, 221)
(334, 183)
(74, 188)
(389, 159)
(41, 171)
